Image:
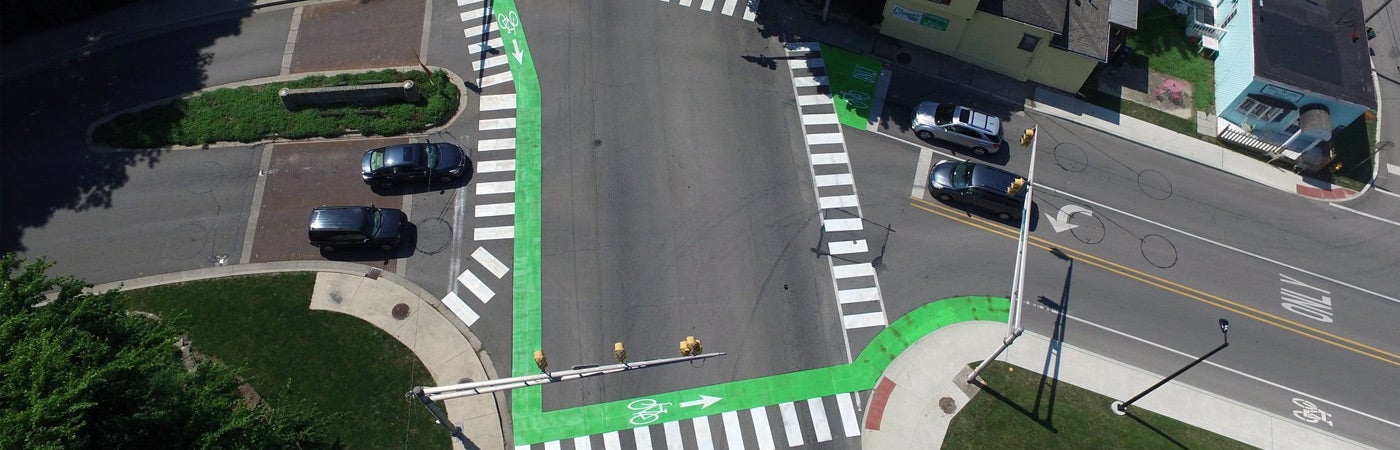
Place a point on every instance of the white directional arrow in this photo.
(704, 402)
(518, 53)
(1061, 220)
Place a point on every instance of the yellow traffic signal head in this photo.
(1027, 137)
(1016, 186)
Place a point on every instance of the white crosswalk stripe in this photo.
(733, 435)
(478, 47)
(495, 209)
(847, 247)
(474, 284)
(460, 308)
(641, 438)
(611, 442)
(493, 233)
(496, 124)
(825, 138)
(821, 159)
(706, 5)
(490, 262)
(703, 439)
(854, 321)
(498, 101)
(582, 443)
(493, 61)
(817, 410)
(849, 425)
(759, 417)
(673, 435)
(852, 270)
(492, 80)
(473, 14)
(858, 295)
(495, 187)
(791, 426)
(848, 224)
(488, 145)
(840, 201)
(814, 99)
(819, 119)
(507, 165)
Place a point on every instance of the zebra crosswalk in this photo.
(493, 181)
(844, 227)
(745, 9)
(784, 425)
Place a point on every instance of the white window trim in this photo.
(1254, 109)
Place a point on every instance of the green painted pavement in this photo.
(853, 80)
(525, 325)
(739, 395)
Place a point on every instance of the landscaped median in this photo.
(255, 113)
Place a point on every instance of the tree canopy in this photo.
(79, 371)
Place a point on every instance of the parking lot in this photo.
(302, 176)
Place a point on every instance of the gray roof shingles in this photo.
(1317, 46)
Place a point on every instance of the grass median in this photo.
(333, 364)
(253, 113)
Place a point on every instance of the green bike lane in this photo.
(850, 77)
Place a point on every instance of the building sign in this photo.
(922, 18)
(1275, 91)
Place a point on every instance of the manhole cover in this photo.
(400, 311)
(947, 405)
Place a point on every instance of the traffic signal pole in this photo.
(1018, 279)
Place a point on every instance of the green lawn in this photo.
(332, 363)
(1022, 409)
(1160, 44)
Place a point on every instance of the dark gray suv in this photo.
(333, 227)
(396, 163)
(978, 185)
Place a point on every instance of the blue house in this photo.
(1289, 74)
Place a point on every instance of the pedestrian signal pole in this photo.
(1018, 281)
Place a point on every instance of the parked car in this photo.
(979, 185)
(429, 160)
(973, 129)
(333, 227)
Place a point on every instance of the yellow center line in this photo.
(1170, 286)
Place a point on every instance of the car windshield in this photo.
(432, 150)
(372, 221)
(376, 160)
(944, 114)
(962, 175)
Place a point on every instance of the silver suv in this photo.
(973, 129)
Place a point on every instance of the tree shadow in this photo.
(44, 126)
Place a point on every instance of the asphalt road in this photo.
(677, 200)
(1167, 248)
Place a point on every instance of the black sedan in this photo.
(432, 160)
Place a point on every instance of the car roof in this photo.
(401, 155)
(338, 217)
(979, 120)
(991, 177)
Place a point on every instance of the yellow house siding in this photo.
(990, 42)
(942, 41)
(1060, 69)
(987, 40)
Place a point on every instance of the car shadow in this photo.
(405, 249)
(992, 216)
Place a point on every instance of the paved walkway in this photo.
(905, 406)
(447, 348)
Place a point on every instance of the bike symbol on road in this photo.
(508, 22)
(647, 411)
(1311, 413)
(856, 98)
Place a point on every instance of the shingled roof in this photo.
(1317, 46)
(1080, 26)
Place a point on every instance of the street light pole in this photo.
(1121, 408)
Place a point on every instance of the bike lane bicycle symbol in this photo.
(1311, 413)
(508, 22)
(857, 99)
(647, 411)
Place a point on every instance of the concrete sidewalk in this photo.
(905, 406)
(447, 348)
